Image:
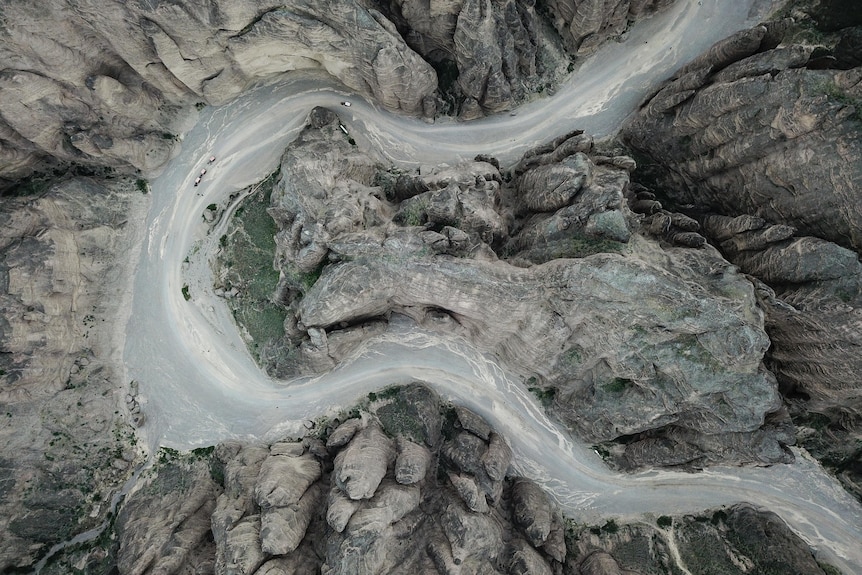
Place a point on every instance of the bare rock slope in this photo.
(115, 83)
(760, 139)
(407, 484)
(66, 414)
(630, 340)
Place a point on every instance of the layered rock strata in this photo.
(634, 339)
(66, 414)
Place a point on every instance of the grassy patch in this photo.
(248, 250)
(397, 418)
(412, 212)
(544, 395)
(617, 385)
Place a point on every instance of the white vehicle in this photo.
(346, 104)
(212, 159)
(197, 181)
(204, 171)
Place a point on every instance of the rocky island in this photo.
(384, 366)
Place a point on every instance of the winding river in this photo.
(199, 385)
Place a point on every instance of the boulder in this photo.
(361, 465)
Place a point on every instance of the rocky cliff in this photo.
(585, 24)
(760, 139)
(633, 339)
(403, 484)
(66, 414)
(117, 83)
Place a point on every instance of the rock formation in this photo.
(114, 84)
(585, 24)
(759, 139)
(65, 412)
(500, 51)
(288, 508)
(571, 324)
(740, 128)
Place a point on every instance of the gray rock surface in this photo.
(361, 466)
(67, 413)
(174, 541)
(424, 527)
(746, 128)
(570, 324)
(586, 24)
(501, 50)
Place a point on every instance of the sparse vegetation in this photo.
(544, 395)
(246, 263)
(413, 212)
(836, 94)
(664, 521)
(186, 293)
(142, 185)
(617, 385)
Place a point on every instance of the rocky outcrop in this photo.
(571, 325)
(586, 24)
(500, 49)
(811, 291)
(747, 128)
(738, 539)
(114, 84)
(765, 134)
(461, 515)
(66, 428)
(291, 508)
(177, 540)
